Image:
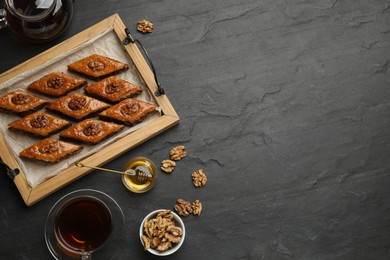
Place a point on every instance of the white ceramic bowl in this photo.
(178, 222)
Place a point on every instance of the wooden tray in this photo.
(168, 118)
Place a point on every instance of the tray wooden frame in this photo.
(168, 119)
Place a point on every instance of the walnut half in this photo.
(50, 147)
(199, 178)
(183, 207)
(20, 99)
(55, 83)
(77, 103)
(93, 129)
(177, 153)
(40, 121)
(168, 166)
(145, 26)
(196, 207)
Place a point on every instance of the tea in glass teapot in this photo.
(36, 20)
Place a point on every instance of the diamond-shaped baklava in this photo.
(50, 151)
(77, 106)
(56, 84)
(129, 112)
(39, 124)
(97, 66)
(112, 89)
(21, 102)
(91, 131)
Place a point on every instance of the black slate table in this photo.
(285, 104)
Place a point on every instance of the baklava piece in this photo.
(112, 89)
(91, 131)
(97, 67)
(50, 151)
(57, 84)
(128, 112)
(39, 124)
(21, 103)
(77, 106)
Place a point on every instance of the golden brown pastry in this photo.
(97, 66)
(50, 151)
(129, 112)
(91, 131)
(56, 84)
(39, 124)
(21, 102)
(77, 106)
(112, 89)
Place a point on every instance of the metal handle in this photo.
(3, 21)
(11, 173)
(129, 39)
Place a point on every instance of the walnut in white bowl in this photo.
(162, 232)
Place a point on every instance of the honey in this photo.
(144, 166)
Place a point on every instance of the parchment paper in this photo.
(106, 44)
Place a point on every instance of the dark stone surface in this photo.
(286, 106)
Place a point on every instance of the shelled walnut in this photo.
(113, 88)
(145, 26)
(56, 82)
(199, 178)
(196, 207)
(96, 65)
(129, 109)
(40, 121)
(77, 103)
(20, 99)
(168, 166)
(93, 129)
(183, 207)
(177, 153)
(50, 147)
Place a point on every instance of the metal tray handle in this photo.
(11, 173)
(129, 39)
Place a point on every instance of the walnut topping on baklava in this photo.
(112, 89)
(77, 106)
(91, 131)
(129, 112)
(56, 84)
(97, 66)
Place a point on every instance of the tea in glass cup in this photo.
(82, 225)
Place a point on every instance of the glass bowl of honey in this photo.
(142, 174)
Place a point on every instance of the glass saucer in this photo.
(113, 243)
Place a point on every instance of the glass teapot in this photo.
(36, 20)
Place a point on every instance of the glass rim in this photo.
(30, 18)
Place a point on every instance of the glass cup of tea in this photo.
(81, 223)
(36, 20)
